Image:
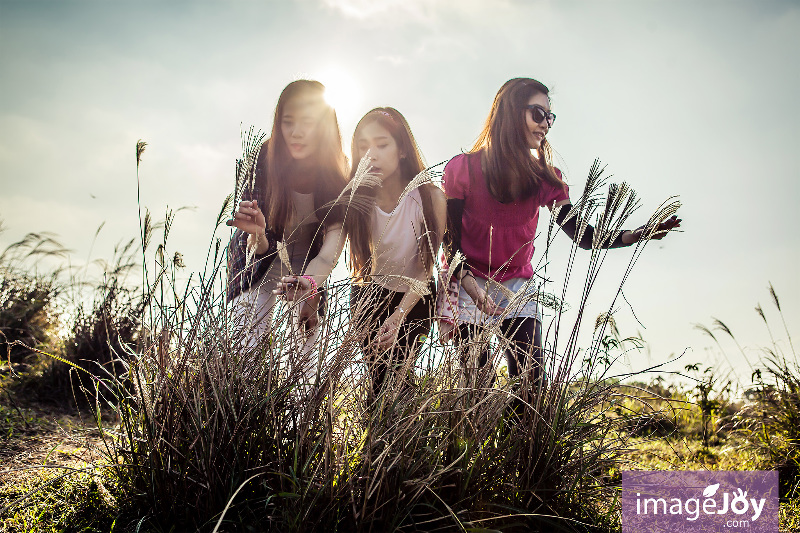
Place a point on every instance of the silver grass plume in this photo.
(551, 301)
(621, 202)
(283, 254)
(226, 206)
(664, 211)
(591, 191)
(246, 165)
(523, 296)
(760, 312)
(774, 296)
(705, 330)
(364, 177)
(140, 146)
(606, 319)
(426, 176)
(417, 286)
(147, 229)
(586, 205)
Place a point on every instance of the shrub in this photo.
(104, 327)
(769, 421)
(219, 428)
(28, 298)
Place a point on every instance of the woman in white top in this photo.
(300, 169)
(396, 241)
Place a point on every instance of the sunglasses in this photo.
(538, 113)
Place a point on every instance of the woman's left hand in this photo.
(293, 288)
(387, 333)
(661, 231)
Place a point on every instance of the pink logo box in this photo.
(699, 501)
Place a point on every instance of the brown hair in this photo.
(358, 224)
(275, 163)
(511, 173)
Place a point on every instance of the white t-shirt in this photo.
(397, 238)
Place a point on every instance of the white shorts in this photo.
(522, 291)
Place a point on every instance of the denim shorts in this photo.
(521, 289)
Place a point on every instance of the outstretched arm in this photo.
(625, 238)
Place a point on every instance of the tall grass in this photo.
(769, 422)
(219, 431)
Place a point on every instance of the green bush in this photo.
(770, 422)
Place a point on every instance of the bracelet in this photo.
(461, 270)
(313, 282)
(466, 272)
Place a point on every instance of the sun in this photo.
(342, 92)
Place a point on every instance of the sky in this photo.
(688, 99)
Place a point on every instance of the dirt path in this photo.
(42, 435)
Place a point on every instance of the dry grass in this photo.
(220, 430)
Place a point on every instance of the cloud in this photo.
(425, 11)
(420, 10)
(394, 59)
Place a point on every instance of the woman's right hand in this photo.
(249, 218)
(482, 300)
(486, 304)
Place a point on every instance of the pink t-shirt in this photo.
(496, 238)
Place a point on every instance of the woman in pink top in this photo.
(494, 193)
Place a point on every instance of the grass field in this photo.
(53, 460)
(143, 406)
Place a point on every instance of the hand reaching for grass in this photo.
(482, 300)
(299, 289)
(661, 231)
(295, 288)
(248, 218)
(387, 333)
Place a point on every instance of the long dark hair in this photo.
(358, 224)
(511, 173)
(276, 166)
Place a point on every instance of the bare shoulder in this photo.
(437, 194)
